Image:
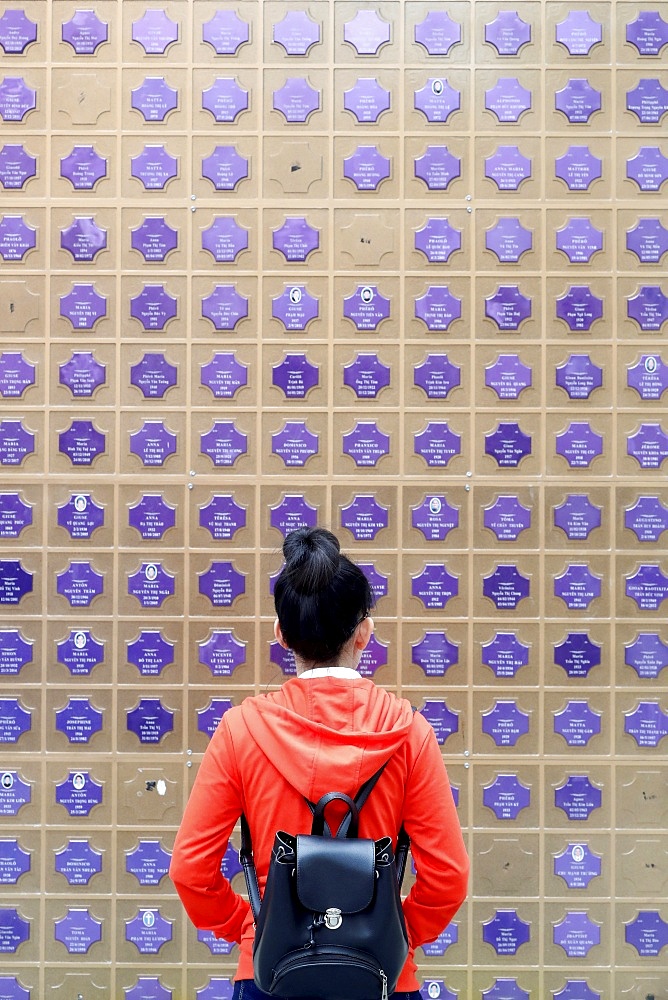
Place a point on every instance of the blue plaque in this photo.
(366, 100)
(222, 516)
(150, 653)
(295, 375)
(15, 651)
(438, 947)
(79, 720)
(15, 581)
(507, 518)
(83, 167)
(16, 443)
(647, 655)
(377, 580)
(80, 652)
(151, 584)
(78, 862)
(82, 442)
(152, 516)
(577, 654)
(506, 932)
(577, 865)
(15, 515)
(508, 445)
(17, 166)
(80, 583)
(578, 798)
(437, 444)
(14, 862)
(79, 793)
(577, 934)
(15, 720)
(577, 516)
(508, 99)
(435, 654)
(505, 654)
(222, 584)
(506, 587)
(647, 933)
(508, 376)
(579, 376)
(17, 32)
(150, 721)
(648, 587)
(508, 167)
(577, 586)
(437, 100)
(507, 33)
(14, 793)
(648, 240)
(217, 946)
(153, 307)
(153, 375)
(296, 33)
(579, 33)
(14, 930)
(217, 988)
(80, 516)
(148, 862)
(647, 723)
(436, 988)
(647, 519)
(578, 168)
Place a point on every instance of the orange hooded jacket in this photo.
(312, 736)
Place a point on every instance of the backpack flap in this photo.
(335, 873)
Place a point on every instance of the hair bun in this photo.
(311, 558)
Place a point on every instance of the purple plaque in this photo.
(293, 512)
(648, 240)
(442, 720)
(225, 307)
(83, 167)
(508, 376)
(16, 374)
(436, 988)
(507, 518)
(294, 443)
(366, 100)
(217, 988)
(85, 32)
(577, 865)
(577, 723)
(505, 654)
(208, 719)
(84, 239)
(148, 931)
(154, 167)
(579, 376)
(649, 446)
(579, 308)
(225, 32)
(437, 167)
(296, 33)
(435, 518)
(224, 375)
(16, 167)
(80, 652)
(154, 375)
(508, 307)
(578, 168)
(648, 587)
(647, 655)
(155, 32)
(15, 653)
(79, 793)
(366, 308)
(435, 654)
(17, 238)
(647, 519)
(366, 32)
(79, 720)
(438, 948)
(438, 307)
(78, 930)
(434, 586)
(648, 932)
(577, 586)
(222, 516)
(14, 862)
(508, 240)
(148, 862)
(506, 932)
(577, 654)
(80, 584)
(366, 376)
(154, 307)
(225, 168)
(153, 443)
(225, 239)
(437, 376)
(296, 99)
(577, 934)
(151, 585)
(648, 307)
(14, 793)
(506, 796)
(152, 516)
(508, 99)
(648, 101)
(223, 444)
(83, 374)
(295, 307)
(14, 930)
(222, 584)
(222, 652)
(17, 99)
(578, 101)
(579, 33)
(15, 442)
(506, 723)
(648, 33)
(154, 239)
(150, 720)
(577, 516)
(283, 658)
(579, 240)
(437, 100)
(15, 720)
(507, 445)
(150, 653)
(296, 239)
(437, 444)
(367, 168)
(506, 587)
(507, 167)
(225, 99)
(379, 584)
(17, 32)
(364, 518)
(648, 168)
(366, 443)
(508, 33)
(438, 240)
(437, 33)
(80, 516)
(646, 723)
(83, 306)
(155, 99)
(578, 797)
(217, 946)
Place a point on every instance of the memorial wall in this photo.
(395, 268)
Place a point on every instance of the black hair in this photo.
(320, 596)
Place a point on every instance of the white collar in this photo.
(329, 672)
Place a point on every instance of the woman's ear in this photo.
(363, 633)
(279, 634)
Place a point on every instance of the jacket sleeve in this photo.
(437, 846)
(213, 808)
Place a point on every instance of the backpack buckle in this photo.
(333, 918)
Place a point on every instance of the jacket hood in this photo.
(317, 729)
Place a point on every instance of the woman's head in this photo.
(320, 595)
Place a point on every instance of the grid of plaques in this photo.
(412, 255)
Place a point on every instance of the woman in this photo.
(328, 729)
